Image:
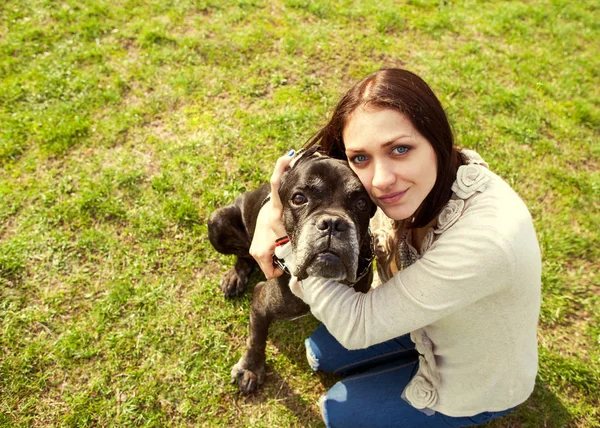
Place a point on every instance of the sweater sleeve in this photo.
(464, 265)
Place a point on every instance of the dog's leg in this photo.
(272, 300)
(235, 280)
(228, 235)
(250, 369)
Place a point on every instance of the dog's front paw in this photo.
(248, 380)
(233, 284)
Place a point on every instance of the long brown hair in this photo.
(407, 93)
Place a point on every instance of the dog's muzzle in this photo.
(327, 246)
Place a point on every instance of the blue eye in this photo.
(401, 150)
(359, 159)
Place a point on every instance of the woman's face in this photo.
(395, 163)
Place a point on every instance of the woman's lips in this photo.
(392, 198)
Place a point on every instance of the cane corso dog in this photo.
(326, 214)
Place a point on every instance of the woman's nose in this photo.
(383, 176)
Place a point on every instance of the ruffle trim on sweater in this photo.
(421, 391)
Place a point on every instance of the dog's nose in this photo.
(332, 224)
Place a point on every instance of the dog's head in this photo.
(326, 213)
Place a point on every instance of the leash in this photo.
(280, 264)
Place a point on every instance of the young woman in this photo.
(449, 337)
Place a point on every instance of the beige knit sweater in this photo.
(470, 300)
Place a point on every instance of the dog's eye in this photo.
(361, 204)
(299, 199)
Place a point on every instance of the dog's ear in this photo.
(373, 210)
(302, 156)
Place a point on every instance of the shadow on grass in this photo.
(542, 409)
(277, 389)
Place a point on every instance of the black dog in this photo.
(326, 214)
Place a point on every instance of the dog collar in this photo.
(282, 241)
(264, 201)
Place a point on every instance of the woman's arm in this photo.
(466, 264)
(269, 224)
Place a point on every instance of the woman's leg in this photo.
(325, 353)
(373, 398)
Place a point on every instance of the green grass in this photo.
(123, 124)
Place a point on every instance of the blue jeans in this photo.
(371, 395)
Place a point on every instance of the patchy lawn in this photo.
(124, 123)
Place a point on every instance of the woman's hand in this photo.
(269, 224)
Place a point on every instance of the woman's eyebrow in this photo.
(394, 140)
(383, 146)
(355, 150)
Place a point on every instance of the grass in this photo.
(123, 124)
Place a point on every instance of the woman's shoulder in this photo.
(485, 193)
(485, 213)
(484, 201)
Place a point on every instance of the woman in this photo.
(449, 337)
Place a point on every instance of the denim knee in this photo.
(325, 353)
(336, 395)
(311, 357)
